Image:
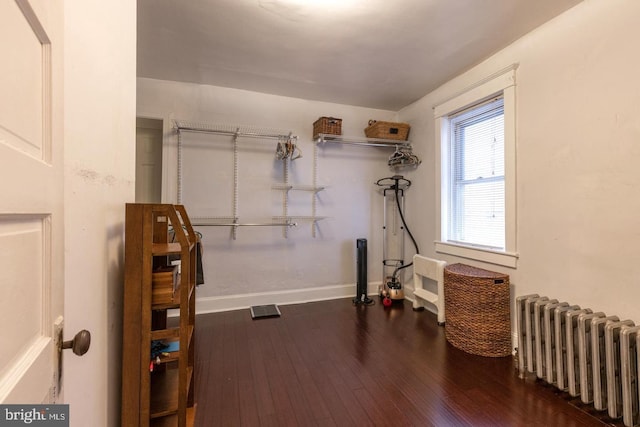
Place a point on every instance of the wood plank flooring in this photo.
(331, 363)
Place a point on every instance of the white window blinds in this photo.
(477, 181)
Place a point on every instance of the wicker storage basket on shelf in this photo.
(327, 126)
(477, 304)
(387, 130)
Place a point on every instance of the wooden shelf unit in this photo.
(158, 392)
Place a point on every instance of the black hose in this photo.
(406, 227)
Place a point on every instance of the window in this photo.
(476, 130)
(476, 182)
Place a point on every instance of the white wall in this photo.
(578, 179)
(100, 90)
(260, 266)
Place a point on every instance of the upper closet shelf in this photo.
(371, 142)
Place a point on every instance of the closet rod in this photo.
(374, 144)
(231, 224)
(235, 133)
(370, 142)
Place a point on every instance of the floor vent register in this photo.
(263, 311)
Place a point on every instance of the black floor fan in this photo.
(361, 285)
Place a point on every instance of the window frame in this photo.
(501, 84)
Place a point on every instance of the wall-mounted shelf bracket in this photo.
(313, 219)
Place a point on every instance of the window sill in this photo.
(506, 259)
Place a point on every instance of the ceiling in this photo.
(373, 53)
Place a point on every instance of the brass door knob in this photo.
(80, 343)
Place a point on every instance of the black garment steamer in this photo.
(393, 256)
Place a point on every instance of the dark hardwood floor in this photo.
(334, 364)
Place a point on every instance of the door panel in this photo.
(31, 190)
(21, 252)
(21, 77)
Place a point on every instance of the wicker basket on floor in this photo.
(478, 310)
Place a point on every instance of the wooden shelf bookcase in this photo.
(158, 390)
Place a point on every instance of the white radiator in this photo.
(587, 354)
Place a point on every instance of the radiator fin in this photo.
(541, 342)
(598, 360)
(614, 381)
(524, 340)
(531, 331)
(585, 359)
(629, 365)
(573, 368)
(551, 342)
(561, 347)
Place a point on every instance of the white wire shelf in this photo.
(299, 218)
(288, 187)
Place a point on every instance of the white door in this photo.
(31, 196)
(148, 160)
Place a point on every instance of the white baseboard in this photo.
(297, 296)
